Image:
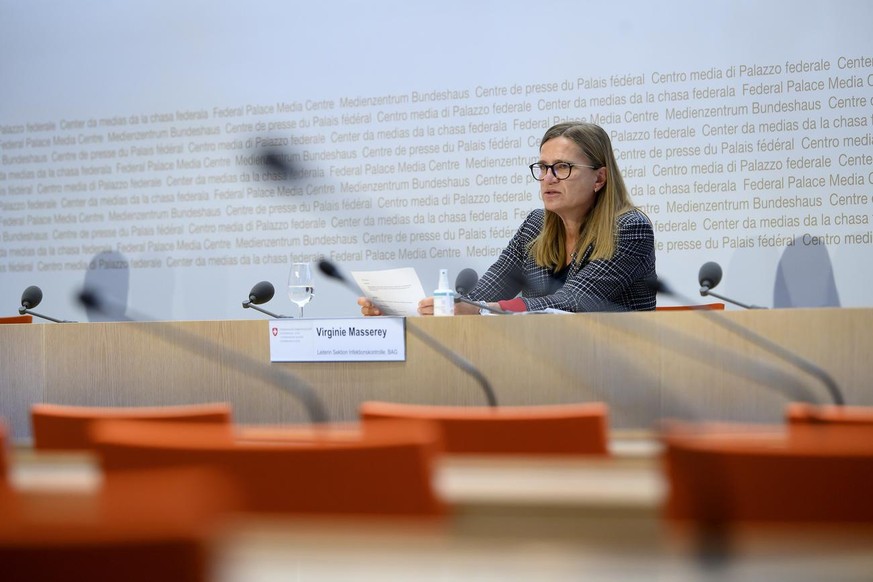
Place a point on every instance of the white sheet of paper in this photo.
(396, 291)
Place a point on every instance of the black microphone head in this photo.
(274, 160)
(262, 292)
(281, 162)
(91, 299)
(330, 269)
(709, 275)
(31, 297)
(466, 280)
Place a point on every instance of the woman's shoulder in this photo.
(534, 221)
(537, 215)
(633, 218)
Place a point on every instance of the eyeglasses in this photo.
(560, 170)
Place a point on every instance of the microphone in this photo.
(709, 276)
(279, 161)
(285, 381)
(464, 282)
(261, 293)
(32, 297)
(329, 269)
(749, 335)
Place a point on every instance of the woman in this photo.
(588, 249)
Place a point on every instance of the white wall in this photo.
(138, 128)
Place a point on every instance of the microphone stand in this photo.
(250, 305)
(26, 311)
(768, 345)
(705, 292)
(285, 381)
(495, 310)
(461, 362)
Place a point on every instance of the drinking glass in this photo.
(300, 288)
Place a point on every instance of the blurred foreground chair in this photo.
(701, 307)
(565, 429)
(720, 475)
(384, 469)
(65, 428)
(138, 527)
(16, 319)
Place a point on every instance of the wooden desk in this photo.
(646, 366)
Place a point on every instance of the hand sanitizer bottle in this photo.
(443, 298)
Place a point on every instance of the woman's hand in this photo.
(466, 309)
(367, 307)
(425, 307)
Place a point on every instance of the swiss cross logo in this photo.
(275, 331)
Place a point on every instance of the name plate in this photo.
(362, 339)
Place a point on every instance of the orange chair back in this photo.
(66, 428)
(16, 319)
(568, 429)
(784, 477)
(701, 307)
(386, 470)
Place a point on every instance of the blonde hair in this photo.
(548, 248)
